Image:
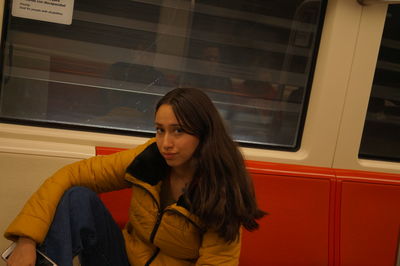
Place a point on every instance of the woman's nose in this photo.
(168, 141)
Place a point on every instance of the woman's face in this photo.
(176, 146)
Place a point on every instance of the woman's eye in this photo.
(179, 130)
(159, 130)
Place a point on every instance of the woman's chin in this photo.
(172, 163)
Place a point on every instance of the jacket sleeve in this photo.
(216, 251)
(99, 173)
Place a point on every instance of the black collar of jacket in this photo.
(150, 167)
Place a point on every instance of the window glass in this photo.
(110, 66)
(381, 135)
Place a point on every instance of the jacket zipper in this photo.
(155, 228)
(151, 195)
(158, 222)
(152, 257)
(186, 218)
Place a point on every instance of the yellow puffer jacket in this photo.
(172, 236)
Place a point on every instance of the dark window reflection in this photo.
(380, 138)
(109, 68)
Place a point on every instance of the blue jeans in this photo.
(83, 226)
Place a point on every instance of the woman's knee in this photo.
(78, 194)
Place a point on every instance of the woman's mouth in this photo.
(169, 156)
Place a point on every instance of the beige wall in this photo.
(28, 155)
(20, 176)
(1, 15)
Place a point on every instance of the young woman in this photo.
(191, 196)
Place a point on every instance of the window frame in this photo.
(358, 92)
(282, 147)
(328, 138)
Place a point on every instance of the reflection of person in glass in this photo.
(139, 68)
(191, 194)
(129, 81)
(207, 75)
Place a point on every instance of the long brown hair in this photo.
(221, 193)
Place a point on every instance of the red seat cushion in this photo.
(117, 202)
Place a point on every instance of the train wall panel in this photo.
(297, 227)
(368, 218)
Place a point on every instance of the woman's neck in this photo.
(182, 174)
(179, 182)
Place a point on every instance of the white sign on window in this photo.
(57, 11)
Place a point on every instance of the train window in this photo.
(380, 139)
(110, 66)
